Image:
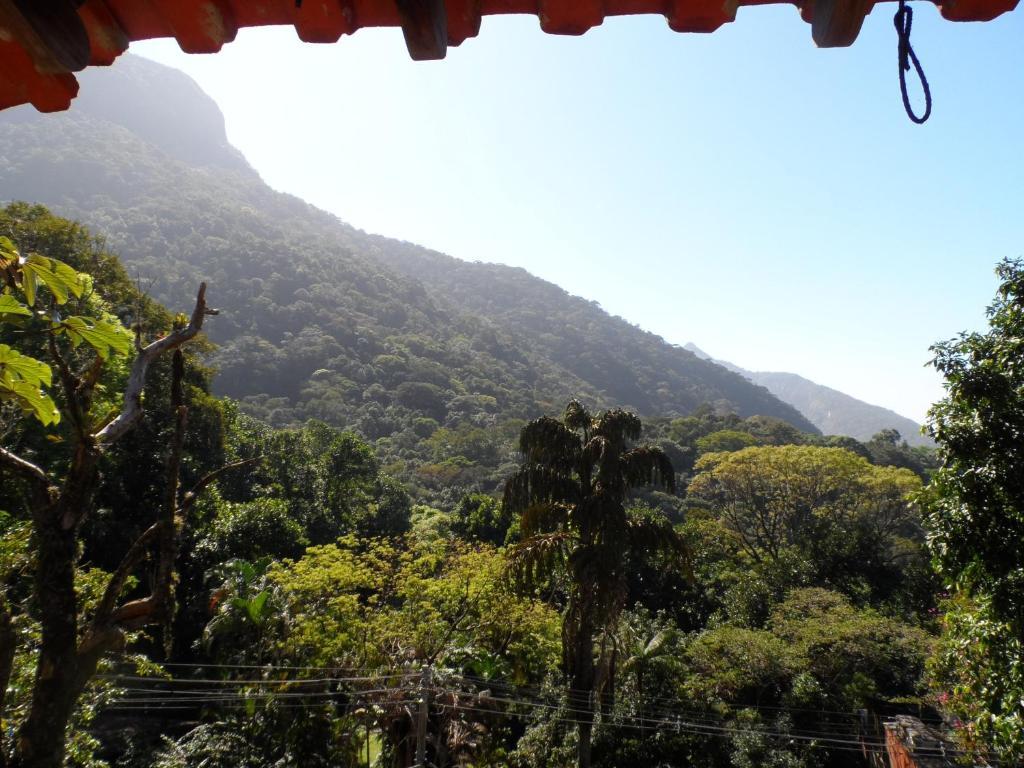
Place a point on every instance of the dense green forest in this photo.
(311, 588)
(381, 502)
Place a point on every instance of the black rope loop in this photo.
(904, 20)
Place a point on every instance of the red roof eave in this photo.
(38, 56)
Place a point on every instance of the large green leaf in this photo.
(8, 253)
(61, 279)
(11, 306)
(30, 398)
(102, 336)
(15, 367)
(257, 605)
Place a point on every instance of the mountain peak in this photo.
(162, 106)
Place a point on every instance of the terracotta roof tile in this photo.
(42, 41)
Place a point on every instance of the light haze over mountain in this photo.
(831, 411)
(321, 320)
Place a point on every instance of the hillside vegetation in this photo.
(320, 319)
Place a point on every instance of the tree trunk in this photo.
(581, 698)
(60, 676)
(40, 742)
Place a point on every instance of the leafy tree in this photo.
(725, 440)
(824, 513)
(976, 517)
(388, 605)
(42, 295)
(888, 448)
(251, 530)
(243, 606)
(570, 494)
(479, 517)
(329, 480)
(817, 653)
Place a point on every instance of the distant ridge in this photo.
(831, 411)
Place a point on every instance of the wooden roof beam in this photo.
(199, 26)
(425, 26)
(50, 31)
(836, 23)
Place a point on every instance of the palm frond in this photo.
(546, 517)
(549, 442)
(576, 416)
(595, 450)
(618, 426)
(654, 535)
(538, 484)
(647, 465)
(534, 560)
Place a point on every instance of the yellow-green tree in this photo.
(825, 516)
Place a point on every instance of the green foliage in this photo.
(977, 673)
(251, 530)
(24, 379)
(725, 440)
(330, 481)
(478, 517)
(818, 653)
(245, 610)
(367, 602)
(811, 515)
(976, 517)
(16, 560)
(569, 494)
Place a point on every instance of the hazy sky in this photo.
(744, 190)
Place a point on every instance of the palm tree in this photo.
(570, 492)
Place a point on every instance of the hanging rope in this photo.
(904, 20)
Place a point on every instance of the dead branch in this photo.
(193, 495)
(25, 468)
(135, 555)
(132, 410)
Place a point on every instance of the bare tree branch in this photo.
(25, 468)
(70, 383)
(193, 495)
(132, 410)
(135, 555)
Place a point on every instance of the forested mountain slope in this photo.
(319, 319)
(831, 411)
(634, 367)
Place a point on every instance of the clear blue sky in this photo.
(744, 190)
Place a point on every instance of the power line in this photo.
(675, 717)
